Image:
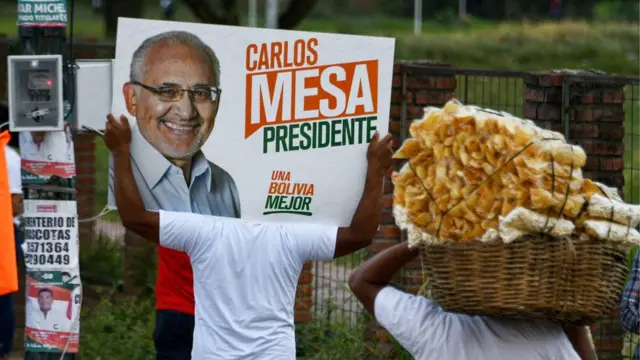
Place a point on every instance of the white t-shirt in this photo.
(15, 176)
(55, 320)
(245, 276)
(428, 332)
(57, 146)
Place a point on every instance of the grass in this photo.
(630, 343)
(119, 327)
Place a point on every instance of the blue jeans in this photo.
(173, 335)
(7, 311)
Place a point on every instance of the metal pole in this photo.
(272, 14)
(417, 17)
(462, 8)
(50, 183)
(253, 13)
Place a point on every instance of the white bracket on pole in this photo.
(417, 17)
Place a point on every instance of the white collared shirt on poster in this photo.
(210, 190)
(57, 146)
(54, 320)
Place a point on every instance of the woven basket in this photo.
(567, 281)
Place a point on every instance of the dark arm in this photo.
(376, 273)
(365, 221)
(130, 206)
(579, 338)
(16, 203)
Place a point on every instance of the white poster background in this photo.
(337, 172)
(50, 248)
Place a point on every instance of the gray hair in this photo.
(138, 66)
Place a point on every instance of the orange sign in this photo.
(299, 94)
(8, 265)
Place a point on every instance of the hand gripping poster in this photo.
(262, 124)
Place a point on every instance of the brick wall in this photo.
(85, 154)
(595, 117)
(421, 90)
(594, 113)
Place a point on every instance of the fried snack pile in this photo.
(607, 217)
(473, 173)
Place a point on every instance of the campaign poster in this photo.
(53, 310)
(48, 158)
(263, 124)
(50, 234)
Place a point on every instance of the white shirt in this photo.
(245, 276)
(15, 176)
(427, 331)
(57, 146)
(55, 320)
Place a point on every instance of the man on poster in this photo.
(47, 317)
(174, 93)
(245, 273)
(45, 146)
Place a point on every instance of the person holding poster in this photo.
(427, 331)
(246, 272)
(7, 313)
(174, 93)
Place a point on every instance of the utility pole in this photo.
(462, 8)
(417, 17)
(253, 13)
(272, 14)
(53, 285)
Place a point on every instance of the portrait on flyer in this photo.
(48, 157)
(52, 311)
